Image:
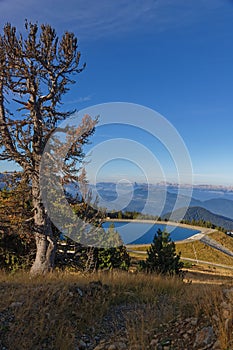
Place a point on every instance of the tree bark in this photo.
(45, 241)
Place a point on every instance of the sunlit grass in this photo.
(200, 251)
(53, 310)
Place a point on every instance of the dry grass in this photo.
(201, 301)
(209, 303)
(200, 251)
(223, 239)
(196, 249)
(51, 313)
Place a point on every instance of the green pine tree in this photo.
(162, 257)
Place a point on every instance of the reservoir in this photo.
(143, 233)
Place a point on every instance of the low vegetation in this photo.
(198, 250)
(223, 239)
(61, 310)
(101, 296)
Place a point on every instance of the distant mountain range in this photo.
(219, 206)
(209, 203)
(213, 204)
(198, 213)
(158, 200)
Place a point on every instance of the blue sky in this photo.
(173, 56)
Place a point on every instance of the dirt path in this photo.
(197, 261)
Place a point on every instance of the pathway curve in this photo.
(208, 263)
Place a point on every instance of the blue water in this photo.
(143, 233)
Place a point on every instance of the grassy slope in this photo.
(223, 239)
(63, 312)
(65, 315)
(204, 252)
(52, 313)
(199, 250)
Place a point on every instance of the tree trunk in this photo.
(45, 242)
(45, 253)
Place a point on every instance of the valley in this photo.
(168, 201)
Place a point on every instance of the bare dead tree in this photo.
(35, 73)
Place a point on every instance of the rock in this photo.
(82, 345)
(228, 326)
(100, 347)
(226, 313)
(225, 306)
(154, 342)
(112, 347)
(117, 346)
(228, 293)
(215, 318)
(193, 321)
(95, 285)
(217, 345)
(121, 346)
(80, 292)
(204, 337)
(166, 343)
(16, 304)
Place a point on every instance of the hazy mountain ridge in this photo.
(151, 199)
(198, 213)
(220, 206)
(160, 199)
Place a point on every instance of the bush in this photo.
(17, 244)
(113, 258)
(16, 252)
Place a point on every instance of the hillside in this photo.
(114, 311)
(160, 200)
(149, 199)
(155, 200)
(199, 251)
(219, 206)
(198, 213)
